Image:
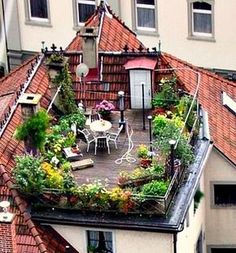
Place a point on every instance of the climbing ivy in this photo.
(66, 94)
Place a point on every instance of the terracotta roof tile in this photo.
(222, 122)
(115, 35)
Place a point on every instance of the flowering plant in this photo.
(104, 107)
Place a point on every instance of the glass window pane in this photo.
(38, 8)
(151, 2)
(85, 11)
(146, 17)
(202, 23)
(201, 6)
(225, 194)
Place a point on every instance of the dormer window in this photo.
(201, 19)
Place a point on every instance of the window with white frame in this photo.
(99, 241)
(202, 18)
(38, 10)
(84, 8)
(146, 15)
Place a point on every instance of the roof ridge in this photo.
(18, 68)
(205, 71)
(23, 210)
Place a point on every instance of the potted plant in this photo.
(143, 154)
(91, 248)
(55, 63)
(105, 108)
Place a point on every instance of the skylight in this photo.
(229, 102)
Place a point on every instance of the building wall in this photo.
(172, 30)
(173, 33)
(220, 221)
(123, 240)
(193, 225)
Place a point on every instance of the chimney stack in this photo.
(7, 229)
(89, 46)
(29, 104)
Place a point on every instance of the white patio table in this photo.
(100, 126)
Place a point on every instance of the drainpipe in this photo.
(175, 242)
(5, 35)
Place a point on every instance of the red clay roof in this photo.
(30, 238)
(222, 122)
(114, 35)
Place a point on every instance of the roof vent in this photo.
(5, 216)
(89, 32)
(229, 102)
(29, 98)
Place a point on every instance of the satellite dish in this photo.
(82, 70)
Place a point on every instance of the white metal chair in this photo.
(88, 137)
(92, 117)
(102, 140)
(114, 136)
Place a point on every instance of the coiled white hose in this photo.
(127, 156)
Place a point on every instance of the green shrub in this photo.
(155, 188)
(34, 128)
(77, 118)
(142, 151)
(28, 174)
(167, 96)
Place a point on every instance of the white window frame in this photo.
(77, 2)
(198, 11)
(140, 29)
(101, 230)
(36, 18)
(200, 35)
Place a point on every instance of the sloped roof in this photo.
(30, 237)
(222, 122)
(114, 35)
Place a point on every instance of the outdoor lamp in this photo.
(150, 133)
(172, 158)
(121, 96)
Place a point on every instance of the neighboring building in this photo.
(181, 26)
(121, 62)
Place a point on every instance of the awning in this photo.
(93, 75)
(141, 63)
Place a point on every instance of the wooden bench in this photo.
(82, 164)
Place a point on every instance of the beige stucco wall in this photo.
(172, 31)
(123, 240)
(220, 222)
(187, 239)
(60, 32)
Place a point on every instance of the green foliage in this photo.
(197, 198)
(142, 151)
(169, 129)
(67, 95)
(184, 152)
(28, 174)
(155, 188)
(182, 110)
(34, 128)
(167, 96)
(56, 58)
(77, 118)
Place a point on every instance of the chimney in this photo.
(29, 104)
(7, 229)
(89, 46)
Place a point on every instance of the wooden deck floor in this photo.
(105, 165)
